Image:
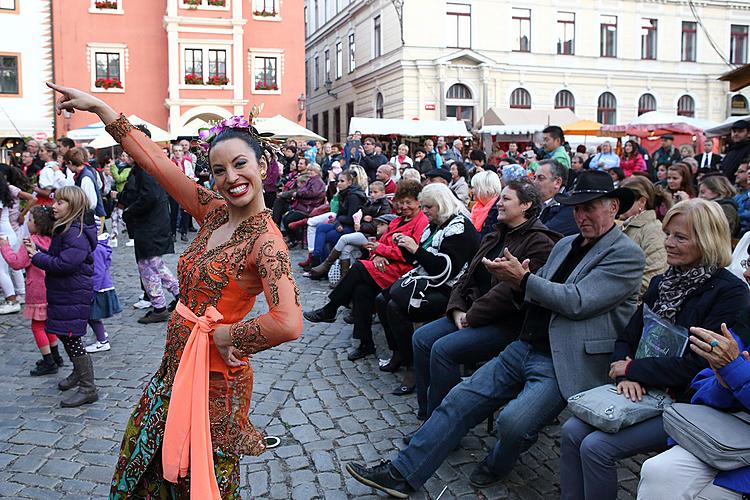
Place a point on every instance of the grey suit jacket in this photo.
(590, 308)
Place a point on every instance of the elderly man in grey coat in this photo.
(575, 306)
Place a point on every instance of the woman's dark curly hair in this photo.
(243, 135)
(527, 193)
(407, 189)
(5, 197)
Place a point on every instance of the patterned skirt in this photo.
(139, 472)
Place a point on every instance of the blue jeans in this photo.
(588, 458)
(520, 377)
(326, 237)
(440, 349)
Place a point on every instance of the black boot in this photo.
(46, 367)
(86, 392)
(361, 352)
(314, 261)
(70, 381)
(321, 271)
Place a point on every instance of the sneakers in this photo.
(98, 347)
(21, 299)
(142, 304)
(10, 307)
(113, 242)
(130, 243)
(383, 477)
(154, 317)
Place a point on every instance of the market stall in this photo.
(652, 125)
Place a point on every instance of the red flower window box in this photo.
(217, 3)
(217, 80)
(106, 4)
(265, 13)
(266, 86)
(108, 83)
(193, 4)
(193, 79)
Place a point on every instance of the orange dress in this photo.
(227, 277)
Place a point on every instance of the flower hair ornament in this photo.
(265, 139)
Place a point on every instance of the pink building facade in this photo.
(173, 61)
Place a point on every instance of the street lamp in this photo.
(328, 86)
(301, 102)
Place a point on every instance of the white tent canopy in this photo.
(157, 134)
(521, 130)
(191, 128)
(724, 127)
(408, 128)
(658, 118)
(284, 128)
(86, 133)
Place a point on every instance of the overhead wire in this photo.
(711, 41)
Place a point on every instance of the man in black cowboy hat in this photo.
(575, 305)
(738, 149)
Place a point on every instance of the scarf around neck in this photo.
(676, 286)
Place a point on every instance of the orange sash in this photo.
(187, 434)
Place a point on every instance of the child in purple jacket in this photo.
(106, 303)
(69, 268)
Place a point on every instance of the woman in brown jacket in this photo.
(641, 225)
(481, 318)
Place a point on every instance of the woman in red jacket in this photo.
(367, 278)
(632, 160)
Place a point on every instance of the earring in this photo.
(263, 172)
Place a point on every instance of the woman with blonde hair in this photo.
(641, 225)
(695, 291)
(441, 256)
(487, 188)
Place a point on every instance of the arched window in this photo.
(520, 99)
(565, 99)
(606, 112)
(646, 103)
(739, 105)
(458, 91)
(379, 105)
(686, 106)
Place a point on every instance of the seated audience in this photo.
(632, 160)
(400, 158)
(743, 196)
(677, 473)
(487, 188)
(412, 175)
(696, 290)
(442, 254)
(384, 174)
(641, 225)
(549, 179)
(481, 319)
(439, 175)
(366, 278)
(309, 194)
(679, 187)
(584, 293)
(364, 227)
(717, 188)
(606, 158)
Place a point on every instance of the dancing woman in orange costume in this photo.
(191, 425)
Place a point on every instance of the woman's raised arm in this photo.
(146, 153)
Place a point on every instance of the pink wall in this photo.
(141, 29)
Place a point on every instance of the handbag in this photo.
(608, 411)
(718, 438)
(409, 291)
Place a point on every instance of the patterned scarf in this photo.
(676, 286)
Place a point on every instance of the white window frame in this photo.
(205, 46)
(279, 55)
(338, 49)
(351, 42)
(182, 4)
(122, 50)
(256, 4)
(119, 10)
(377, 36)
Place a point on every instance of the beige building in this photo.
(607, 60)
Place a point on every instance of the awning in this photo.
(191, 128)
(512, 130)
(724, 127)
(537, 117)
(105, 140)
(408, 128)
(18, 126)
(87, 133)
(655, 123)
(738, 78)
(284, 128)
(583, 127)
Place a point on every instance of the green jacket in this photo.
(560, 155)
(120, 176)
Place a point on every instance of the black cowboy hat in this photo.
(592, 185)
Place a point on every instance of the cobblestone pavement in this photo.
(326, 409)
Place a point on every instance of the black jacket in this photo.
(147, 215)
(371, 163)
(734, 155)
(373, 208)
(718, 301)
(351, 200)
(559, 218)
